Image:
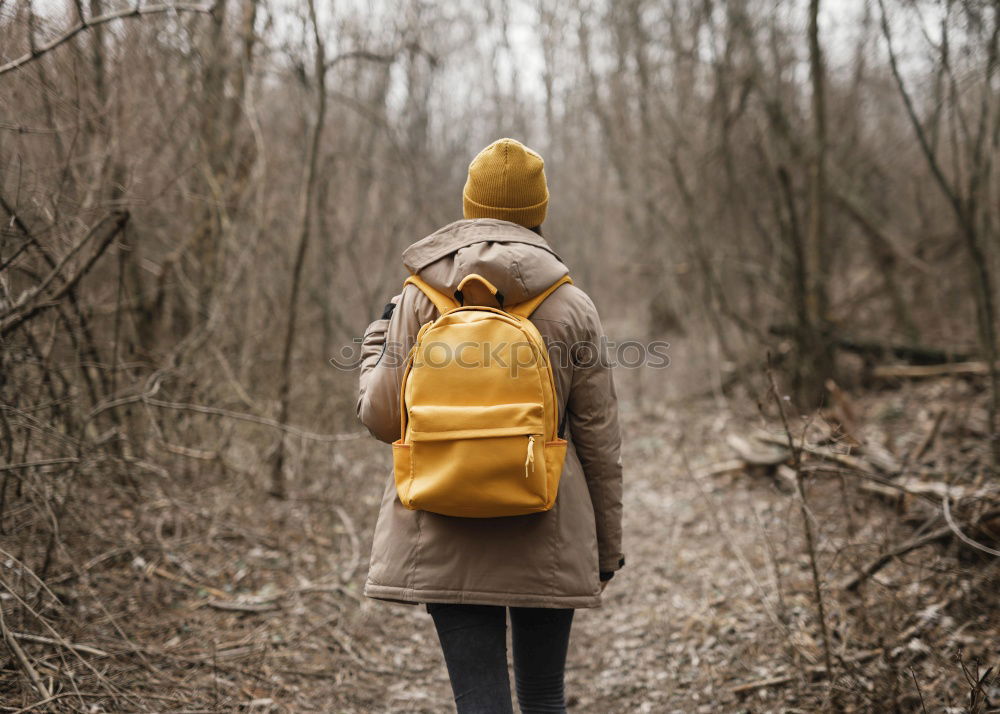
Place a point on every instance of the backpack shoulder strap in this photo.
(527, 307)
(441, 301)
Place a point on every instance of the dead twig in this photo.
(86, 649)
(153, 569)
(929, 437)
(22, 658)
(806, 523)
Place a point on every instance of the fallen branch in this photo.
(880, 562)
(932, 491)
(939, 534)
(22, 658)
(778, 680)
(723, 467)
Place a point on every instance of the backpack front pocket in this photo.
(463, 464)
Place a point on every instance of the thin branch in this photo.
(38, 464)
(217, 411)
(918, 128)
(386, 57)
(47, 280)
(114, 227)
(362, 54)
(86, 649)
(946, 506)
(131, 12)
(853, 581)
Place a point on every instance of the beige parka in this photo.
(549, 559)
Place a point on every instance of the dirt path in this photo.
(672, 633)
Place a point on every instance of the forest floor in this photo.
(217, 598)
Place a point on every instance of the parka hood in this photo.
(516, 260)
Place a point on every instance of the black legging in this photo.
(474, 641)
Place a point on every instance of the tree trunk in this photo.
(815, 364)
(278, 485)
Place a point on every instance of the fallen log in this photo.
(767, 454)
(881, 458)
(851, 462)
(723, 467)
(913, 354)
(930, 371)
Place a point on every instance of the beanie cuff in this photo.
(528, 216)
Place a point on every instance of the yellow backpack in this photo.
(480, 432)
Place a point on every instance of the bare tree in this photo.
(968, 199)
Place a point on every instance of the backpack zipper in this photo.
(529, 460)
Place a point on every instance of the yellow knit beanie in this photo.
(507, 181)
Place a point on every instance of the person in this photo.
(470, 571)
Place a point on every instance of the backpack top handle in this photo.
(490, 287)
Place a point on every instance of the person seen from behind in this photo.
(472, 571)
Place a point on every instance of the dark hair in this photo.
(537, 229)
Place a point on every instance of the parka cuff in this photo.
(612, 564)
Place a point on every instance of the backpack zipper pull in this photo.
(529, 460)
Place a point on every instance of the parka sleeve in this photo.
(593, 423)
(384, 349)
